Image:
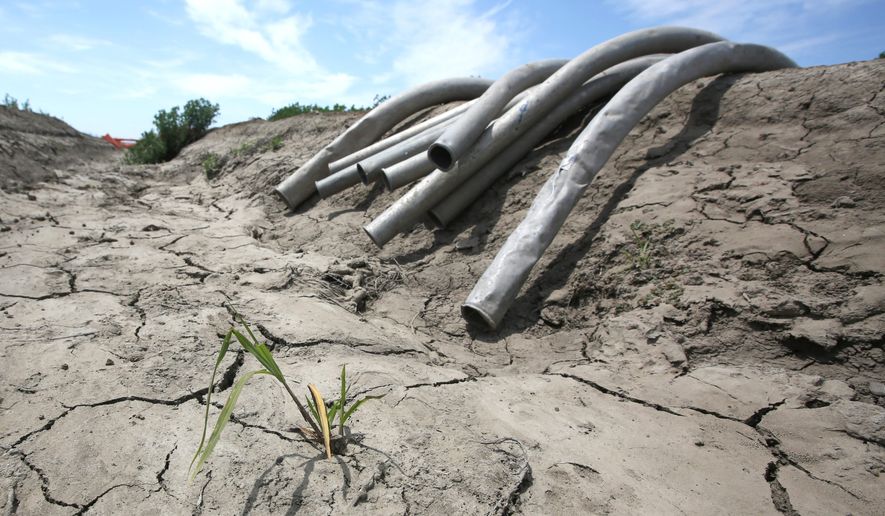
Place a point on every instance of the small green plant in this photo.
(641, 253)
(246, 149)
(379, 99)
(275, 143)
(12, 102)
(881, 55)
(318, 419)
(339, 407)
(297, 108)
(212, 164)
(174, 130)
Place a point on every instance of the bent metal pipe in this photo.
(498, 286)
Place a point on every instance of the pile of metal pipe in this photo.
(456, 156)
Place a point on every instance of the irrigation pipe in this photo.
(299, 186)
(461, 135)
(500, 283)
(601, 86)
(406, 211)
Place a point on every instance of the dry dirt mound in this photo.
(704, 336)
(34, 146)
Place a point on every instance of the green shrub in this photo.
(12, 102)
(275, 144)
(174, 130)
(212, 164)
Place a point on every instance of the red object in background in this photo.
(119, 143)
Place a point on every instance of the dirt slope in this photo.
(33, 146)
(735, 365)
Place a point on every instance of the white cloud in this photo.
(25, 63)
(772, 22)
(410, 42)
(214, 85)
(78, 43)
(446, 38)
(270, 31)
(276, 40)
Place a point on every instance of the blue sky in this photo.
(107, 66)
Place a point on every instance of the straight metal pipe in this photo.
(408, 171)
(601, 86)
(405, 134)
(300, 185)
(461, 135)
(370, 168)
(338, 181)
(500, 283)
(408, 209)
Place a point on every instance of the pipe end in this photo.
(436, 219)
(373, 238)
(476, 316)
(386, 179)
(364, 177)
(441, 156)
(283, 197)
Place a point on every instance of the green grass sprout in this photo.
(318, 414)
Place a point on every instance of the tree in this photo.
(175, 129)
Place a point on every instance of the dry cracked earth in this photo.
(704, 336)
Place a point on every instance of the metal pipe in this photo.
(405, 134)
(408, 171)
(409, 208)
(461, 135)
(601, 86)
(299, 186)
(370, 167)
(501, 281)
(338, 181)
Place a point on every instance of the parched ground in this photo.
(704, 336)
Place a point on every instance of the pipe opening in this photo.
(363, 176)
(386, 179)
(284, 198)
(436, 220)
(477, 317)
(372, 237)
(440, 156)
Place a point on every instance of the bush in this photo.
(174, 130)
(300, 109)
(12, 103)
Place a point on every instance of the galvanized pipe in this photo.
(500, 283)
(407, 210)
(370, 168)
(299, 186)
(601, 86)
(408, 171)
(461, 135)
(405, 134)
(360, 172)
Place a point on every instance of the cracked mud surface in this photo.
(704, 336)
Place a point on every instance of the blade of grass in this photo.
(324, 419)
(223, 351)
(357, 405)
(262, 354)
(339, 407)
(313, 408)
(223, 418)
